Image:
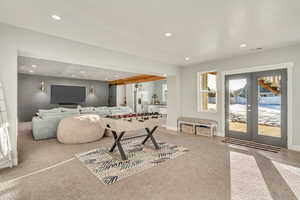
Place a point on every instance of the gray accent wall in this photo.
(112, 99)
(31, 98)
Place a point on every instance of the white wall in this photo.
(14, 41)
(130, 95)
(174, 100)
(283, 55)
(120, 94)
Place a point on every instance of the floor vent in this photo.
(251, 144)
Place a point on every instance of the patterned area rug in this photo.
(109, 167)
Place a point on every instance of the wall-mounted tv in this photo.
(61, 94)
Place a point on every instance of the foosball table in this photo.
(120, 125)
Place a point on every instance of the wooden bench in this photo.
(198, 126)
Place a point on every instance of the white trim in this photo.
(172, 128)
(15, 162)
(222, 133)
(219, 134)
(294, 147)
(290, 67)
(6, 164)
(199, 109)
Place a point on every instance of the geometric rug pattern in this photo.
(109, 168)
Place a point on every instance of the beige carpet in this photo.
(211, 170)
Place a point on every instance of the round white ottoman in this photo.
(80, 129)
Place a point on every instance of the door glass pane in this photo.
(269, 106)
(238, 105)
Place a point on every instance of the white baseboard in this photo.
(5, 164)
(172, 128)
(220, 134)
(15, 162)
(294, 147)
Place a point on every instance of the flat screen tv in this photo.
(61, 94)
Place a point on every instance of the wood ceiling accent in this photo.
(268, 86)
(213, 73)
(136, 79)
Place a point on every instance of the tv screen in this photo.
(61, 94)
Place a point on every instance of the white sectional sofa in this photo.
(44, 125)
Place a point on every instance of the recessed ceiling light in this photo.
(34, 66)
(31, 71)
(243, 45)
(56, 17)
(168, 34)
(187, 58)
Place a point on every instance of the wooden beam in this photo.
(136, 79)
(268, 87)
(212, 73)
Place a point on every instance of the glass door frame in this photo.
(282, 141)
(236, 134)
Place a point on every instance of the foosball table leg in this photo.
(118, 144)
(150, 135)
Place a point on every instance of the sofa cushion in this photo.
(58, 115)
(43, 112)
(45, 128)
(53, 110)
(126, 109)
(114, 108)
(86, 109)
(101, 108)
(70, 110)
(121, 111)
(88, 112)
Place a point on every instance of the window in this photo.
(207, 91)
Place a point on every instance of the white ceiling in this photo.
(202, 29)
(33, 66)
